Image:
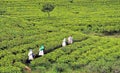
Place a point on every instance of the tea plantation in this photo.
(93, 24)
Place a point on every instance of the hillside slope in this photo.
(24, 26)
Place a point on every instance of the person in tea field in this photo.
(41, 50)
(70, 40)
(64, 42)
(30, 54)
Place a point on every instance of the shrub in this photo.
(10, 69)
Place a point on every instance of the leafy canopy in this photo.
(48, 8)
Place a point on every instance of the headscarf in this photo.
(41, 47)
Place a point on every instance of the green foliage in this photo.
(60, 67)
(23, 26)
(89, 55)
(20, 65)
(2, 11)
(10, 69)
(48, 8)
(71, 1)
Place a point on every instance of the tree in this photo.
(48, 8)
(71, 1)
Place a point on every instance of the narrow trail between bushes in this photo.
(52, 49)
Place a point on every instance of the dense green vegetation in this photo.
(24, 26)
(89, 56)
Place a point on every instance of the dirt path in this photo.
(52, 49)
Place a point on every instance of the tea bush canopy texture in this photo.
(27, 24)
